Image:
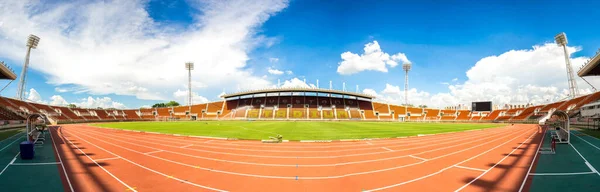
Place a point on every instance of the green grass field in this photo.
(9, 133)
(300, 130)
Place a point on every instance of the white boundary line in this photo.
(444, 169)
(488, 170)
(152, 170)
(187, 146)
(101, 167)
(586, 161)
(314, 178)
(387, 148)
(418, 157)
(471, 168)
(148, 153)
(317, 165)
(10, 143)
(47, 163)
(533, 160)
(587, 142)
(60, 159)
(11, 162)
(106, 159)
(587, 135)
(559, 174)
(369, 143)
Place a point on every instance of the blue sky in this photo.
(442, 39)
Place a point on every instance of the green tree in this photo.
(172, 104)
(72, 105)
(422, 106)
(158, 105)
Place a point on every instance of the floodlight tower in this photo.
(32, 43)
(189, 66)
(406, 66)
(561, 39)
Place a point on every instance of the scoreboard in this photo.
(481, 106)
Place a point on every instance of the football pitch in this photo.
(296, 130)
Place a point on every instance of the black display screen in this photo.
(481, 106)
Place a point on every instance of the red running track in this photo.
(98, 159)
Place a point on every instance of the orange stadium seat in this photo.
(492, 116)
(463, 115)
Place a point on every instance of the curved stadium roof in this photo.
(6, 73)
(308, 90)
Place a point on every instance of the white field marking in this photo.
(444, 169)
(586, 141)
(106, 159)
(186, 146)
(152, 170)
(101, 167)
(47, 163)
(347, 163)
(11, 162)
(10, 138)
(470, 168)
(586, 161)
(349, 145)
(488, 170)
(532, 161)
(369, 143)
(208, 141)
(309, 178)
(60, 159)
(451, 140)
(153, 152)
(387, 148)
(558, 174)
(587, 135)
(10, 143)
(418, 158)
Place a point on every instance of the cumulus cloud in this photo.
(296, 83)
(115, 47)
(57, 100)
(536, 75)
(182, 97)
(34, 96)
(103, 102)
(373, 59)
(274, 71)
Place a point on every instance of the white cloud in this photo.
(57, 100)
(296, 83)
(394, 95)
(182, 97)
(104, 102)
(274, 71)
(455, 79)
(146, 106)
(34, 96)
(289, 72)
(373, 59)
(115, 47)
(273, 60)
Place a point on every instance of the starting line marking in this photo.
(106, 159)
(558, 174)
(387, 148)
(418, 157)
(47, 163)
(470, 168)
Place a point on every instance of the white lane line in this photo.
(471, 168)
(11, 162)
(187, 146)
(47, 163)
(148, 153)
(387, 148)
(418, 158)
(106, 159)
(586, 141)
(208, 141)
(369, 143)
(322, 177)
(152, 170)
(491, 168)
(310, 157)
(444, 169)
(560, 174)
(101, 167)
(60, 159)
(533, 161)
(586, 161)
(10, 144)
(317, 165)
(587, 135)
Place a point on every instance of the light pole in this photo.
(406, 66)
(189, 66)
(561, 40)
(32, 43)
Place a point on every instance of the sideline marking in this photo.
(13, 160)
(106, 159)
(533, 160)
(470, 168)
(147, 153)
(48, 163)
(418, 158)
(587, 142)
(60, 158)
(369, 143)
(591, 167)
(11, 142)
(387, 148)
(187, 146)
(586, 161)
(556, 174)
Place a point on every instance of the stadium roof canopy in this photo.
(306, 90)
(591, 68)
(6, 73)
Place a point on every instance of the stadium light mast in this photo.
(561, 39)
(189, 66)
(32, 43)
(406, 66)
